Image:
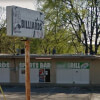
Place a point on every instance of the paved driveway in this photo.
(52, 93)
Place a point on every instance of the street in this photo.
(52, 93)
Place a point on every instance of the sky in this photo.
(30, 4)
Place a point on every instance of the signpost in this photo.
(22, 22)
(27, 69)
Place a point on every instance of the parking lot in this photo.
(52, 93)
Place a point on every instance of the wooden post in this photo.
(27, 69)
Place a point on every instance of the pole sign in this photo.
(22, 22)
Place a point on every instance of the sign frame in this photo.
(23, 22)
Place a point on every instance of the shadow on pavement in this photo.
(68, 90)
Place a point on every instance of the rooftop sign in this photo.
(23, 22)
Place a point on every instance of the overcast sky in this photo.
(30, 4)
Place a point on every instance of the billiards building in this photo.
(53, 69)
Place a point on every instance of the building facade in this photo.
(55, 69)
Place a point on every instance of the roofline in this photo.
(36, 56)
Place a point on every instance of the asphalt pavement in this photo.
(52, 93)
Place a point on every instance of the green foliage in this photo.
(8, 44)
(58, 30)
(69, 28)
(35, 46)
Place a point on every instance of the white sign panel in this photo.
(23, 22)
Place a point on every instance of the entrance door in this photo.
(47, 75)
(44, 75)
(76, 75)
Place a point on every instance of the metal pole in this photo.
(27, 69)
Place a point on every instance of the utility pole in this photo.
(27, 68)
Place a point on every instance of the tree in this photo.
(80, 17)
(7, 44)
(88, 13)
(56, 32)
